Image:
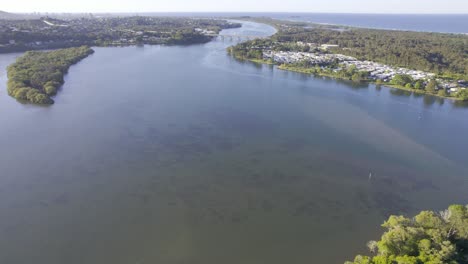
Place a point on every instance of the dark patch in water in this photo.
(61, 199)
(267, 206)
(293, 145)
(389, 202)
(309, 209)
(241, 122)
(364, 200)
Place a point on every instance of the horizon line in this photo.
(227, 12)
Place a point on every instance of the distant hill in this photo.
(6, 15)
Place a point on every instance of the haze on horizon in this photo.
(330, 6)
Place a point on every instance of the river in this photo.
(182, 154)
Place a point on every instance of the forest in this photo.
(36, 76)
(440, 53)
(433, 52)
(430, 237)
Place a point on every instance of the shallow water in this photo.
(184, 155)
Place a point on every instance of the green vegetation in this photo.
(463, 95)
(36, 76)
(50, 33)
(402, 80)
(346, 74)
(440, 53)
(429, 237)
(443, 54)
(443, 57)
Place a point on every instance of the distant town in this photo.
(50, 33)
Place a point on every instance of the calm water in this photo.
(184, 155)
(451, 23)
(430, 23)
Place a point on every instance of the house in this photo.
(463, 83)
(328, 46)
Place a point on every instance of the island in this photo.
(421, 62)
(36, 76)
(52, 33)
(430, 237)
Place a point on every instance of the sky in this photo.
(319, 6)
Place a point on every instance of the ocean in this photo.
(457, 23)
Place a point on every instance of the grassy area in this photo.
(419, 91)
(261, 61)
(296, 69)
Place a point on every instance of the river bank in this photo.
(139, 165)
(311, 71)
(343, 52)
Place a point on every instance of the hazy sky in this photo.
(342, 6)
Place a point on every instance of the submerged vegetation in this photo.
(429, 237)
(36, 76)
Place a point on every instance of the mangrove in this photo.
(36, 76)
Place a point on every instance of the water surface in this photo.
(182, 154)
(446, 23)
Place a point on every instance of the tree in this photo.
(352, 70)
(36, 76)
(442, 92)
(356, 77)
(401, 79)
(463, 94)
(431, 87)
(419, 85)
(429, 237)
(409, 86)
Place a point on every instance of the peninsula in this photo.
(431, 63)
(52, 33)
(36, 76)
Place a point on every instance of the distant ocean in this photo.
(430, 23)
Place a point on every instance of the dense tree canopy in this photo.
(429, 237)
(432, 52)
(36, 76)
(440, 53)
(441, 59)
(463, 94)
(402, 79)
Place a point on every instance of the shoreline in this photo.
(344, 25)
(287, 67)
(378, 28)
(284, 67)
